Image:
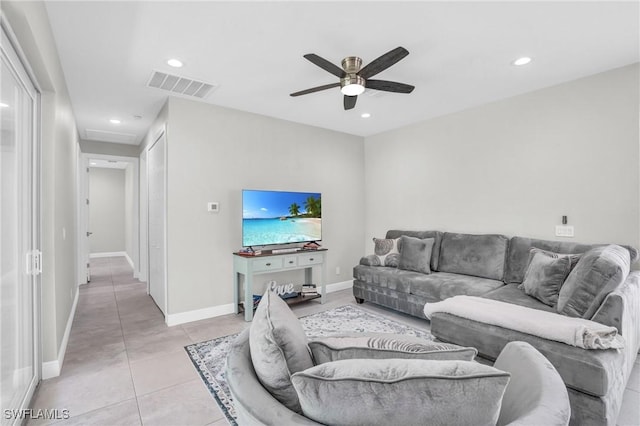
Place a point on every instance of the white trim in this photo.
(199, 314)
(52, 368)
(216, 311)
(126, 255)
(110, 254)
(343, 285)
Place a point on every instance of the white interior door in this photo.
(157, 223)
(19, 236)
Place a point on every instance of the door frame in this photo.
(83, 249)
(162, 133)
(15, 53)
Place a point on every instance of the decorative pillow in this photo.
(380, 346)
(370, 260)
(387, 251)
(401, 391)
(545, 275)
(599, 271)
(415, 254)
(278, 348)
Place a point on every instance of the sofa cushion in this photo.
(400, 391)
(415, 254)
(278, 348)
(442, 285)
(518, 254)
(386, 250)
(477, 255)
(510, 293)
(391, 278)
(600, 271)
(385, 346)
(436, 235)
(545, 275)
(595, 372)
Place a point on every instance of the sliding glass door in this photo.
(19, 259)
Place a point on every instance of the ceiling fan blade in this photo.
(383, 62)
(389, 86)
(325, 65)
(315, 89)
(349, 102)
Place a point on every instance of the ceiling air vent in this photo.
(180, 85)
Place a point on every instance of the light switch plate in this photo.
(564, 231)
(213, 207)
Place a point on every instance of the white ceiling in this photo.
(460, 54)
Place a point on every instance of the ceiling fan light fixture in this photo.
(352, 85)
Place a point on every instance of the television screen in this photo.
(279, 217)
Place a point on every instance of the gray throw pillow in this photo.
(401, 392)
(415, 254)
(278, 348)
(386, 249)
(545, 275)
(599, 271)
(384, 346)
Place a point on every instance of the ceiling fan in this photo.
(354, 79)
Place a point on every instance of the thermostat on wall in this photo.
(213, 207)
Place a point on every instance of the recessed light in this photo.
(174, 63)
(3, 105)
(365, 115)
(521, 61)
(114, 121)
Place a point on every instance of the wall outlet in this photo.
(564, 231)
(337, 270)
(64, 233)
(213, 207)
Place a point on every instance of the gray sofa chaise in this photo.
(493, 266)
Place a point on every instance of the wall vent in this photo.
(180, 85)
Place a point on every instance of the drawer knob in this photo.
(311, 259)
(291, 261)
(268, 264)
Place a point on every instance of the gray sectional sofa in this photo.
(493, 266)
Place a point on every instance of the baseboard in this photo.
(216, 311)
(343, 285)
(126, 255)
(52, 368)
(199, 314)
(110, 254)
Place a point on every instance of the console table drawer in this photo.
(290, 261)
(309, 259)
(267, 264)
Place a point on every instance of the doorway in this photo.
(19, 233)
(91, 244)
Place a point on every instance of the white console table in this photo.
(268, 263)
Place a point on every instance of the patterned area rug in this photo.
(210, 357)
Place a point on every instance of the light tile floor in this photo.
(124, 366)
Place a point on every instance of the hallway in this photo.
(123, 365)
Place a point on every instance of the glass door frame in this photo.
(12, 51)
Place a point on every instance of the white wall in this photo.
(107, 215)
(58, 173)
(516, 166)
(214, 153)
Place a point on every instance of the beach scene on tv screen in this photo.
(275, 217)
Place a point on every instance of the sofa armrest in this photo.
(385, 346)
(621, 309)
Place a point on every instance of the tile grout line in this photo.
(126, 351)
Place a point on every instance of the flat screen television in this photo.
(280, 217)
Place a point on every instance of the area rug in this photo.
(210, 357)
